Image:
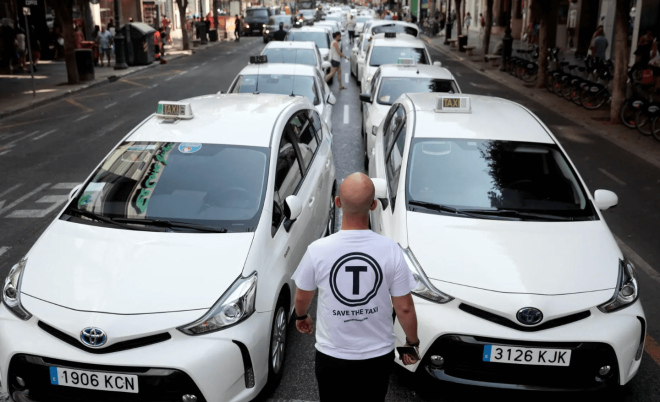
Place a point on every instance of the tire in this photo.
(575, 95)
(531, 74)
(566, 90)
(549, 81)
(655, 128)
(556, 86)
(278, 341)
(590, 100)
(628, 114)
(643, 122)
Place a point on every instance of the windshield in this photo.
(362, 19)
(391, 55)
(392, 88)
(395, 28)
(277, 84)
(285, 19)
(320, 38)
(261, 13)
(291, 56)
(215, 185)
(485, 174)
(305, 4)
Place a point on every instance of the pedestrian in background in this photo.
(350, 27)
(79, 37)
(104, 41)
(95, 35)
(35, 48)
(335, 59)
(21, 48)
(599, 43)
(237, 28)
(482, 24)
(166, 23)
(355, 336)
(280, 34)
(468, 22)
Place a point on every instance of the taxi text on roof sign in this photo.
(453, 104)
(406, 61)
(174, 110)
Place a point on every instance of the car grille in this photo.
(463, 357)
(117, 347)
(497, 319)
(154, 384)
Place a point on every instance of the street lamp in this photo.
(120, 41)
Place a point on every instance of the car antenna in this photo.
(293, 84)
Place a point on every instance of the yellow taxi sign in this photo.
(174, 110)
(453, 104)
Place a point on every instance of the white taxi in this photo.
(389, 48)
(296, 53)
(264, 77)
(521, 284)
(318, 35)
(358, 52)
(168, 274)
(391, 81)
(400, 27)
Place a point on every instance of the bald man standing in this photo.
(361, 276)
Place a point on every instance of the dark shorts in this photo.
(368, 378)
(335, 63)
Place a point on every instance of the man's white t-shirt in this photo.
(356, 272)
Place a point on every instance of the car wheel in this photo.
(277, 343)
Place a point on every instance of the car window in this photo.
(392, 126)
(322, 87)
(318, 125)
(394, 161)
(392, 87)
(256, 13)
(373, 82)
(288, 175)
(391, 55)
(320, 38)
(179, 182)
(276, 19)
(278, 84)
(290, 56)
(398, 28)
(302, 129)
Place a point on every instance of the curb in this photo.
(609, 133)
(97, 83)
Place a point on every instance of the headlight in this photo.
(11, 294)
(424, 288)
(267, 31)
(247, 25)
(236, 305)
(626, 291)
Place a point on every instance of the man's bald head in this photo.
(356, 194)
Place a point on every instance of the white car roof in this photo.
(309, 29)
(401, 40)
(279, 68)
(289, 44)
(419, 70)
(232, 119)
(490, 119)
(389, 22)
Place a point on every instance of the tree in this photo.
(63, 10)
(459, 18)
(620, 60)
(183, 5)
(542, 11)
(488, 20)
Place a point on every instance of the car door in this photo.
(372, 88)
(325, 107)
(386, 164)
(354, 55)
(324, 162)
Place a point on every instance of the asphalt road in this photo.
(47, 151)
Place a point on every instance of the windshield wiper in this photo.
(171, 224)
(445, 208)
(105, 219)
(520, 214)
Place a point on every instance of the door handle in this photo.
(373, 151)
(327, 164)
(311, 202)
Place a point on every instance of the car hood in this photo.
(545, 258)
(101, 269)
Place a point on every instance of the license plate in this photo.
(531, 356)
(94, 380)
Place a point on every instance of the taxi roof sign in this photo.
(174, 110)
(390, 34)
(263, 59)
(453, 104)
(406, 61)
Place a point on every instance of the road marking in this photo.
(153, 86)
(651, 347)
(459, 74)
(183, 72)
(5, 136)
(9, 190)
(194, 67)
(12, 143)
(80, 105)
(345, 114)
(3, 250)
(56, 200)
(204, 63)
(83, 118)
(111, 105)
(5, 152)
(64, 186)
(44, 134)
(611, 176)
(637, 260)
(134, 83)
(23, 198)
(167, 79)
(135, 94)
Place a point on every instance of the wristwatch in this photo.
(300, 317)
(416, 344)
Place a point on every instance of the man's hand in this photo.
(408, 359)
(305, 326)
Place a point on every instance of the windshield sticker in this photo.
(141, 147)
(189, 148)
(151, 179)
(84, 200)
(93, 187)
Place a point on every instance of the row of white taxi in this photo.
(168, 274)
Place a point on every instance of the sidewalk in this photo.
(596, 121)
(50, 81)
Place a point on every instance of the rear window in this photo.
(320, 38)
(291, 56)
(261, 13)
(391, 88)
(395, 28)
(275, 20)
(278, 84)
(391, 55)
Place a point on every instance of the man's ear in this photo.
(338, 202)
(374, 205)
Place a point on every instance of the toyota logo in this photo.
(529, 316)
(93, 337)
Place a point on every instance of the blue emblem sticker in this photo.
(189, 147)
(487, 351)
(84, 200)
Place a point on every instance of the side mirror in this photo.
(365, 98)
(75, 190)
(355, 49)
(326, 65)
(292, 207)
(605, 199)
(380, 185)
(331, 99)
(437, 63)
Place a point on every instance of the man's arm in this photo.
(405, 312)
(302, 302)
